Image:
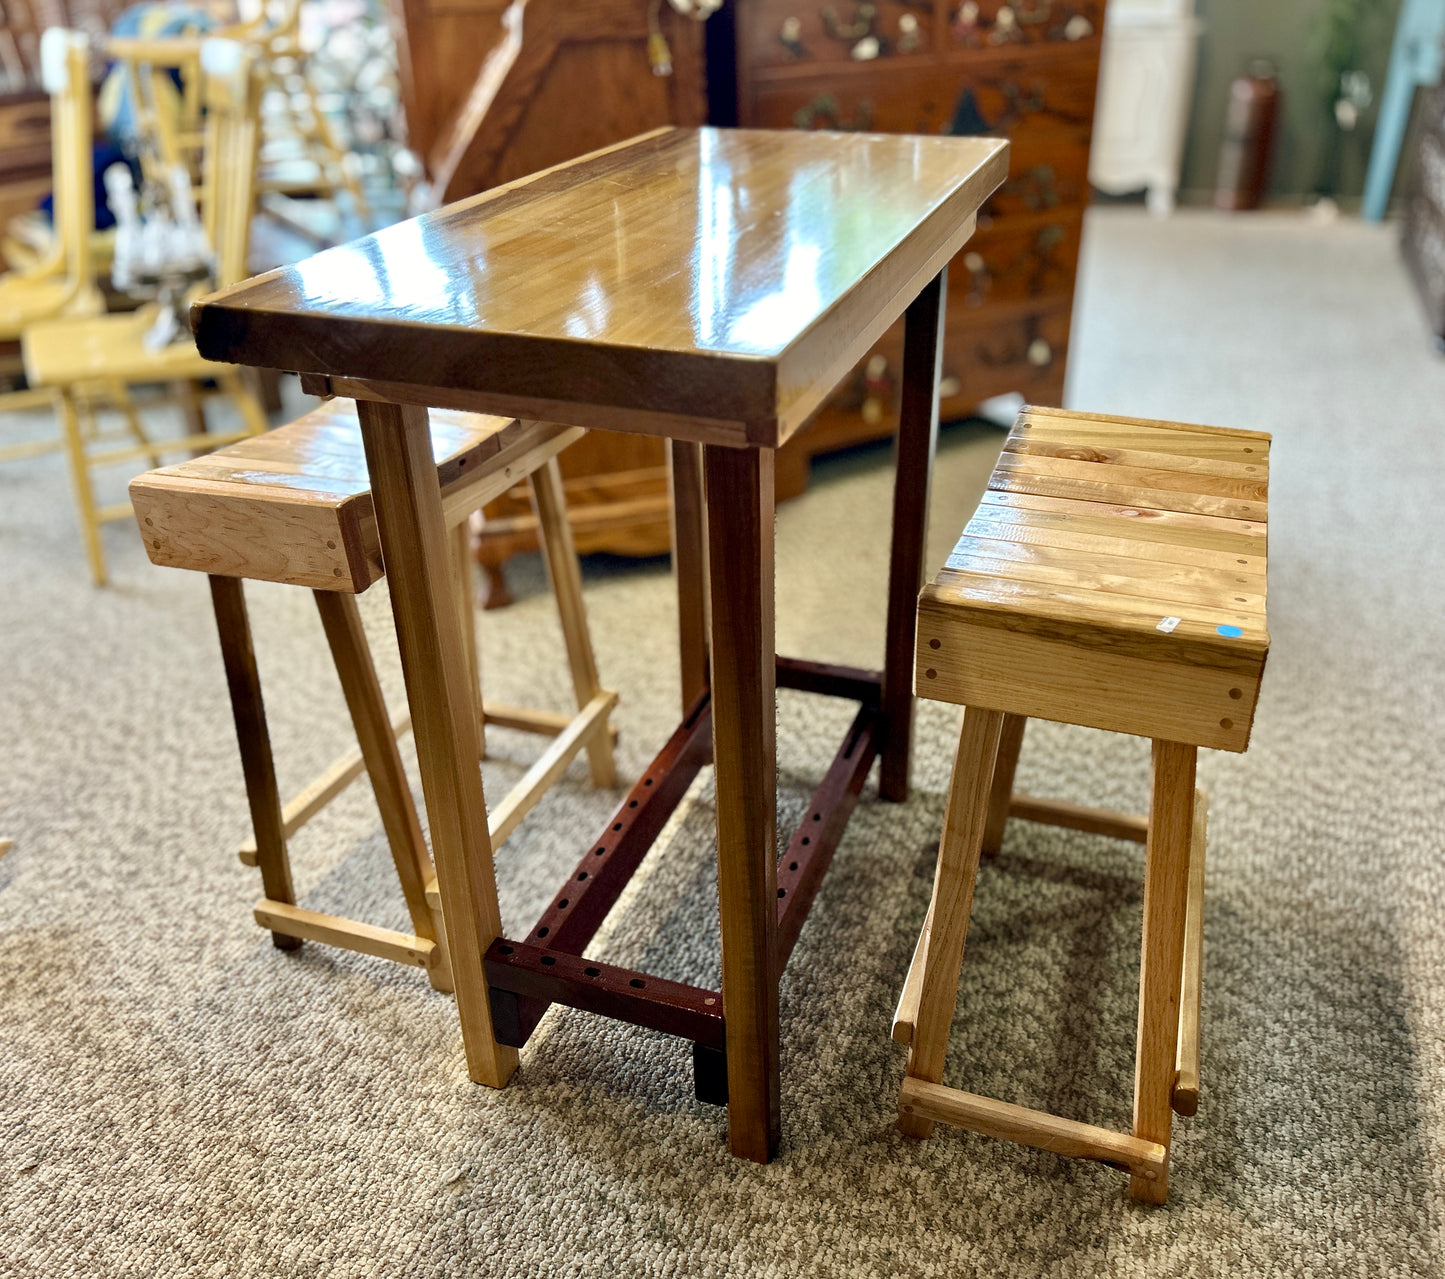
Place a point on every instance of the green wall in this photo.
(1287, 33)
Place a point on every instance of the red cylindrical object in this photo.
(1248, 136)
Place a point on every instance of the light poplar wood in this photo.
(587, 726)
(958, 854)
(453, 299)
(341, 619)
(1010, 742)
(1166, 892)
(1096, 821)
(311, 799)
(739, 488)
(465, 586)
(922, 1101)
(294, 505)
(1049, 607)
(384, 943)
(562, 568)
(407, 498)
(1185, 1097)
(905, 1016)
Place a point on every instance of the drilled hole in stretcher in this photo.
(806, 840)
(637, 983)
(548, 961)
(782, 892)
(581, 875)
(542, 932)
(601, 852)
(504, 950)
(592, 972)
(562, 905)
(792, 865)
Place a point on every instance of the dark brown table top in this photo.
(704, 283)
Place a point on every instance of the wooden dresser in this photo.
(1026, 71)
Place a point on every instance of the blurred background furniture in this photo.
(1415, 61)
(1146, 86)
(62, 281)
(1423, 237)
(86, 359)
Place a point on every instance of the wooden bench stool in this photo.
(295, 506)
(1114, 577)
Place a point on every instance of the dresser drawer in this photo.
(1046, 171)
(823, 33)
(1019, 259)
(986, 354)
(24, 137)
(995, 24)
(987, 95)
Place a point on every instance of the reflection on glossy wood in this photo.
(725, 276)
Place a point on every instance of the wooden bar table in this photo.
(713, 287)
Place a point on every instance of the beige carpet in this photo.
(178, 1098)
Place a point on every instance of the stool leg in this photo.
(1010, 742)
(407, 494)
(963, 823)
(917, 438)
(341, 620)
(561, 556)
(464, 584)
(689, 567)
(228, 600)
(1166, 894)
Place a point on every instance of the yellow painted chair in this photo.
(76, 355)
(60, 282)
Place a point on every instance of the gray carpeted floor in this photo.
(178, 1098)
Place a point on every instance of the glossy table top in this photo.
(703, 283)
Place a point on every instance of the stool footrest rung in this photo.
(1036, 1128)
(349, 934)
(1095, 821)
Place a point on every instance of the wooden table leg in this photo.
(414, 548)
(228, 599)
(689, 566)
(739, 486)
(917, 437)
(1166, 895)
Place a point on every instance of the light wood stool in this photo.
(295, 506)
(1114, 577)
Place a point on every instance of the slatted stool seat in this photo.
(1113, 577)
(294, 505)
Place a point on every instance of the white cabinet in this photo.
(1146, 82)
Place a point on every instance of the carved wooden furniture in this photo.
(294, 506)
(1024, 70)
(1114, 576)
(73, 355)
(681, 286)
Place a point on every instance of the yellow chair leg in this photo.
(85, 507)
